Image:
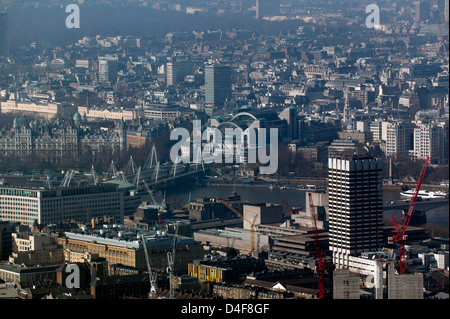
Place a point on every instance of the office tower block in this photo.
(290, 114)
(177, 71)
(430, 140)
(267, 8)
(355, 207)
(107, 71)
(397, 137)
(218, 84)
(423, 10)
(27, 206)
(4, 46)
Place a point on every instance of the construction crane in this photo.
(171, 265)
(151, 278)
(400, 237)
(319, 256)
(160, 207)
(150, 193)
(252, 229)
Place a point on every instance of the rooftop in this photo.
(21, 269)
(127, 237)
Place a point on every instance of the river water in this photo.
(437, 218)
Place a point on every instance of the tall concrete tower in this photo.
(355, 206)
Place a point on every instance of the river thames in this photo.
(437, 219)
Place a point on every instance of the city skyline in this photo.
(226, 150)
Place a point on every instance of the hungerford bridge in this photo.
(153, 174)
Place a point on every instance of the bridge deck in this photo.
(423, 205)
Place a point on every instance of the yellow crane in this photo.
(252, 228)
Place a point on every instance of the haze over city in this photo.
(230, 155)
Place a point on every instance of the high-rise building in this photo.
(218, 84)
(107, 70)
(4, 43)
(267, 8)
(177, 71)
(423, 10)
(355, 207)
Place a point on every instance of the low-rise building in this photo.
(224, 270)
(32, 241)
(345, 284)
(21, 274)
(99, 113)
(123, 245)
(51, 256)
(28, 205)
(40, 109)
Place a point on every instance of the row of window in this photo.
(18, 192)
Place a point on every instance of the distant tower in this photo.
(347, 113)
(267, 8)
(107, 71)
(218, 84)
(423, 10)
(177, 71)
(4, 41)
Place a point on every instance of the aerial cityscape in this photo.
(202, 150)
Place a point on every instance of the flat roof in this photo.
(127, 237)
(221, 233)
(121, 184)
(20, 269)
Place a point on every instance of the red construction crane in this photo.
(401, 237)
(319, 256)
